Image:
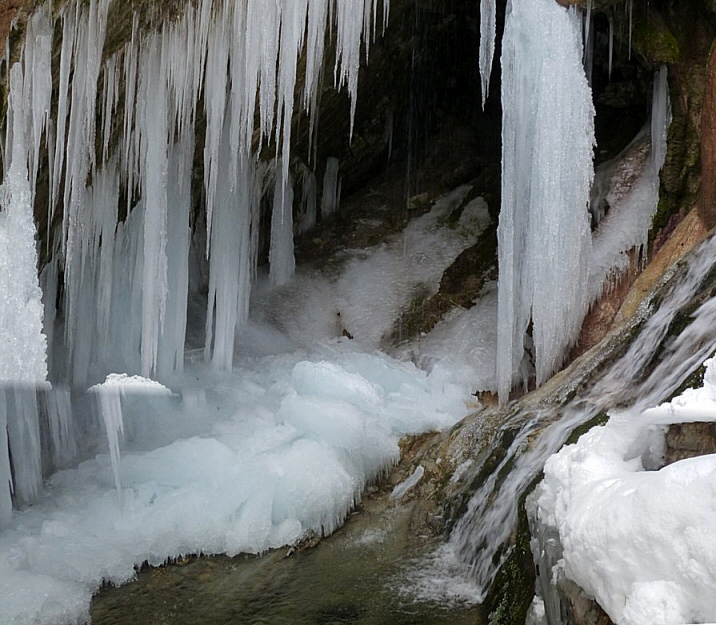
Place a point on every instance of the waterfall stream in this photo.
(654, 365)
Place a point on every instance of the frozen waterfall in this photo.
(120, 135)
(544, 237)
(239, 61)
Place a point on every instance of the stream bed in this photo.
(362, 574)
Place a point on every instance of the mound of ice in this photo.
(641, 542)
(282, 446)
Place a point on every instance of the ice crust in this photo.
(639, 541)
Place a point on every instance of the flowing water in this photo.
(358, 575)
(662, 349)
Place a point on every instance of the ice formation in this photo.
(628, 186)
(242, 56)
(488, 27)
(282, 445)
(123, 127)
(545, 187)
(331, 187)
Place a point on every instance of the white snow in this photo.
(641, 542)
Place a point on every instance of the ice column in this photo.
(23, 361)
(331, 187)
(281, 259)
(543, 235)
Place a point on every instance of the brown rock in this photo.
(707, 198)
(689, 440)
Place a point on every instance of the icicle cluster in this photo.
(544, 237)
(125, 279)
(121, 150)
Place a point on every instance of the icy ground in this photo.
(252, 459)
(640, 541)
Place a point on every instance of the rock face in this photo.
(689, 440)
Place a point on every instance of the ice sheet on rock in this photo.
(464, 337)
(548, 136)
(401, 489)
(376, 284)
(639, 541)
(282, 446)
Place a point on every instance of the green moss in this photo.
(655, 42)
(512, 591)
(597, 421)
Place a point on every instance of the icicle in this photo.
(58, 406)
(488, 26)
(281, 259)
(129, 153)
(349, 16)
(309, 193)
(588, 42)
(231, 257)
(331, 192)
(5, 471)
(548, 137)
(293, 25)
(317, 19)
(660, 117)
(109, 402)
(152, 121)
(80, 157)
(171, 345)
(630, 8)
(38, 83)
(23, 430)
(215, 104)
(69, 25)
(611, 42)
(110, 93)
(105, 204)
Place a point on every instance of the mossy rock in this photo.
(654, 41)
(512, 591)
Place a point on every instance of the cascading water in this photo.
(481, 536)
